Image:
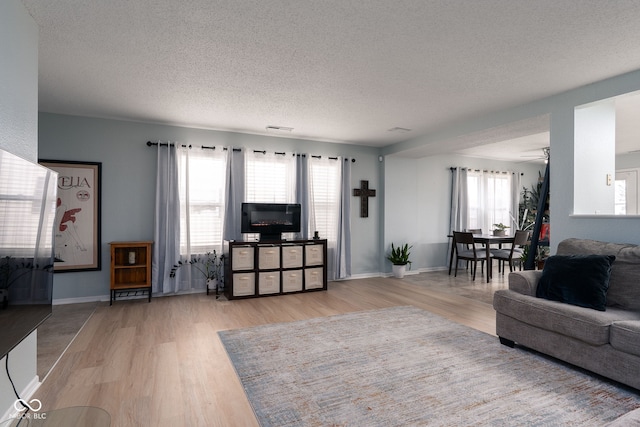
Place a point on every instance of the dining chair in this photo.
(472, 254)
(476, 231)
(521, 238)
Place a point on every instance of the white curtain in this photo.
(490, 199)
(202, 187)
(166, 234)
(329, 211)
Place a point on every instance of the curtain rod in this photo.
(204, 147)
(164, 144)
(483, 170)
(280, 153)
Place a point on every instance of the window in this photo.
(21, 204)
(269, 178)
(626, 192)
(489, 197)
(202, 180)
(324, 198)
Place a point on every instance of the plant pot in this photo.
(499, 232)
(399, 270)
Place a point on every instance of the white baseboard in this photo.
(389, 274)
(25, 394)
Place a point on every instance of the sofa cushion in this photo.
(630, 419)
(624, 284)
(580, 280)
(525, 282)
(590, 326)
(625, 336)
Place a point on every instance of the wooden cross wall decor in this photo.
(364, 193)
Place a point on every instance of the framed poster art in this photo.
(77, 225)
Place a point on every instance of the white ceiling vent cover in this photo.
(279, 128)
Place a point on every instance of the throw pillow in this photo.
(581, 280)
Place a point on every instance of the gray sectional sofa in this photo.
(605, 342)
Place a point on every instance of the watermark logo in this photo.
(34, 405)
(21, 405)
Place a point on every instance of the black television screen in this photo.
(27, 214)
(270, 219)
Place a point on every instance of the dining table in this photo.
(487, 240)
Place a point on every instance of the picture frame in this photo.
(78, 220)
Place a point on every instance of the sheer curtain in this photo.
(490, 199)
(329, 211)
(166, 233)
(202, 187)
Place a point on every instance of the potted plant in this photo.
(209, 266)
(499, 229)
(399, 257)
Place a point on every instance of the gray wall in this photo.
(18, 135)
(128, 183)
(417, 202)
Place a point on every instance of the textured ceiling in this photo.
(333, 70)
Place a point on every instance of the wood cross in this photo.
(364, 193)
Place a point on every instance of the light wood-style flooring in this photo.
(162, 364)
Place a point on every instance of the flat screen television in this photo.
(28, 194)
(270, 219)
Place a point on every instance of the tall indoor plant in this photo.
(399, 257)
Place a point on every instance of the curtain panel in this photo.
(199, 193)
(166, 234)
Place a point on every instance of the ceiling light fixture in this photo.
(279, 128)
(399, 129)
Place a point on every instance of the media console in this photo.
(257, 269)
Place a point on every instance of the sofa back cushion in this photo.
(624, 283)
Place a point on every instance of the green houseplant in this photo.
(499, 229)
(209, 266)
(399, 257)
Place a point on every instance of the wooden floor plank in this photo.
(161, 363)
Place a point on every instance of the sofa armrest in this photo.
(525, 282)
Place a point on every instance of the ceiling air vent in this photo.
(279, 128)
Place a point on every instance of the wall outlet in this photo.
(609, 179)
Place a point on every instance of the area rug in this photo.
(404, 366)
